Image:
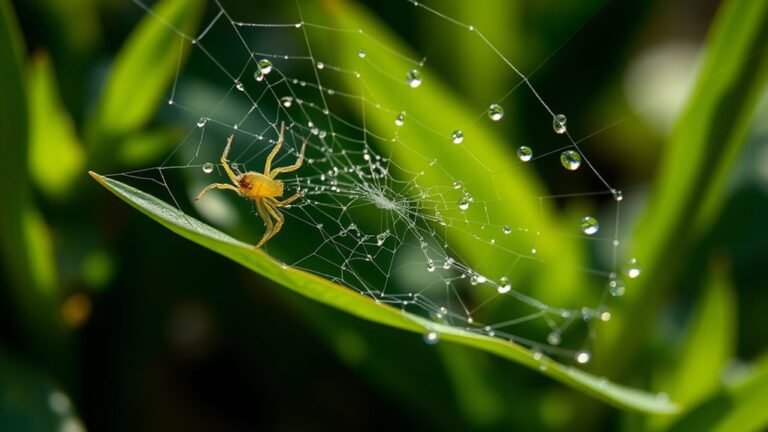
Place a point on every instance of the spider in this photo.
(263, 189)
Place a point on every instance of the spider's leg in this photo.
(275, 213)
(269, 226)
(225, 162)
(216, 186)
(293, 167)
(287, 201)
(273, 153)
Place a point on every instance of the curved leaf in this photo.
(347, 300)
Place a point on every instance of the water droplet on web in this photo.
(570, 159)
(208, 168)
(553, 338)
(506, 230)
(381, 238)
(583, 356)
(361, 53)
(524, 153)
(457, 137)
(413, 78)
(239, 86)
(431, 267)
(265, 66)
(258, 76)
(400, 119)
(457, 184)
(633, 268)
(320, 65)
(558, 124)
(504, 285)
(431, 337)
(618, 195)
(616, 287)
(448, 263)
(605, 316)
(589, 225)
(202, 122)
(495, 112)
(463, 203)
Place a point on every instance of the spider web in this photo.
(396, 205)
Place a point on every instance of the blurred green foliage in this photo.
(107, 317)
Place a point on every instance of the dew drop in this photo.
(202, 122)
(590, 225)
(524, 153)
(463, 203)
(381, 238)
(618, 195)
(258, 76)
(616, 287)
(400, 119)
(495, 112)
(431, 267)
(553, 338)
(361, 53)
(448, 263)
(208, 168)
(504, 285)
(570, 159)
(605, 316)
(239, 86)
(265, 66)
(413, 78)
(431, 337)
(457, 184)
(507, 230)
(583, 356)
(633, 268)
(457, 136)
(287, 101)
(558, 124)
(320, 65)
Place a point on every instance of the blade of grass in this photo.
(143, 70)
(56, 157)
(691, 183)
(345, 299)
(485, 162)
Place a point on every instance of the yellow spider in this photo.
(263, 189)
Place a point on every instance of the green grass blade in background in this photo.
(27, 248)
(56, 156)
(709, 344)
(144, 68)
(347, 300)
(691, 184)
(485, 162)
(737, 407)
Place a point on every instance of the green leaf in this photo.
(486, 163)
(56, 157)
(737, 407)
(691, 184)
(145, 67)
(345, 299)
(709, 344)
(24, 237)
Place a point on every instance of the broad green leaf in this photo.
(145, 67)
(708, 346)
(56, 157)
(485, 162)
(737, 407)
(329, 293)
(26, 243)
(691, 184)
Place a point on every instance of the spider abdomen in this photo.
(256, 185)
